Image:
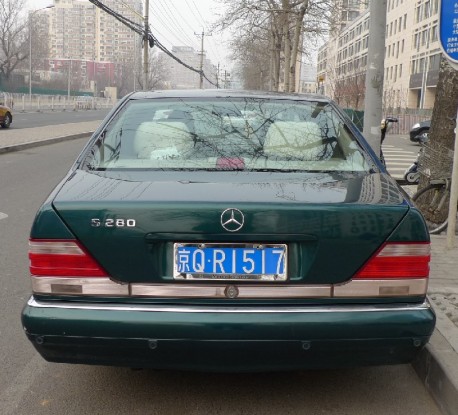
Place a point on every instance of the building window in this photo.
(418, 13)
(434, 62)
(427, 9)
(435, 6)
(434, 34)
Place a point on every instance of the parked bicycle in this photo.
(433, 200)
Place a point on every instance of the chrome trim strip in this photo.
(34, 303)
(352, 289)
(219, 291)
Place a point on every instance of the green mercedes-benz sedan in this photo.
(228, 231)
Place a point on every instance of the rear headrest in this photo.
(294, 138)
(161, 136)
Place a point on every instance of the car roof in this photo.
(226, 93)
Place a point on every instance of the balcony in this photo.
(417, 80)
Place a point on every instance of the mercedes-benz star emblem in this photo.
(232, 220)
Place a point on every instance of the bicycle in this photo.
(433, 200)
(435, 197)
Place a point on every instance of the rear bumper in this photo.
(227, 339)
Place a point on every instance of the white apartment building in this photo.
(412, 57)
(180, 77)
(81, 31)
(345, 11)
(97, 46)
(89, 43)
(308, 84)
(342, 63)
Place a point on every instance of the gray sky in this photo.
(175, 23)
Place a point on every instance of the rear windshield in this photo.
(227, 134)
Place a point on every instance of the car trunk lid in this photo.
(330, 224)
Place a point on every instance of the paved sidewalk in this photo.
(12, 139)
(437, 365)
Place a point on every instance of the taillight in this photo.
(50, 258)
(398, 260)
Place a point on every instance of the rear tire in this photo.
(433, 202)
(7, 121)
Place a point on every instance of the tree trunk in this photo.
(441, 134)
(272, 58)
(287, 42)
(296, 40)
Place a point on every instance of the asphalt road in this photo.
(31, 386)
(41, 119)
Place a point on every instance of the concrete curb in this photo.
(437, 367)
(38, 143)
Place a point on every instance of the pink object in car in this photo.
(230, 163)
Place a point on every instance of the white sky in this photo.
(175, 23)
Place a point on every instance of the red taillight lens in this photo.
(398, 260)
(52, 258)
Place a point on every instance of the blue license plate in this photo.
(261, 262)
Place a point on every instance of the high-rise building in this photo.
(180, 77)
(90, 43)
(79, 30)
(412, 57)
(345, 11)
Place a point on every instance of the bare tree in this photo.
(157, 70)
(346, 88)
(38, 30)
(253, 60)
(13, 36)
(283, 26)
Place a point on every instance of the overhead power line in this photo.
(152, 40)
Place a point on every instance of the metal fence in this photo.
(35, 102)
(406, 119)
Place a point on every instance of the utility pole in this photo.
(69, 66)
(201, 83)
(145, 48)
(217, 77)
(202, 35)
(374, 75)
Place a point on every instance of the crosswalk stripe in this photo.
(398, 160)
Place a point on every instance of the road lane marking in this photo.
(3, 215)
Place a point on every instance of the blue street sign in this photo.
(448, 30)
